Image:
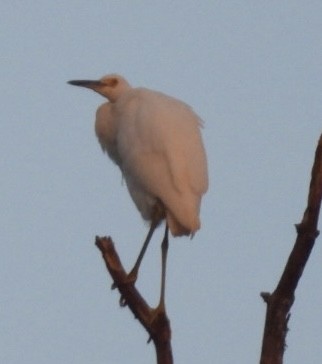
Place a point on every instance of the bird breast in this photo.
(106, 131)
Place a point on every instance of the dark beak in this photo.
(92, 84)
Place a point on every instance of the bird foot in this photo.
(129, 280)
(158, 313)
(132, 276)
(158, 317)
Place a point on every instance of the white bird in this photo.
(155, 140)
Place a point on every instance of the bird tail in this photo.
(178, 229)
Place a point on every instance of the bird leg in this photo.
(132, 276)
(164, 252)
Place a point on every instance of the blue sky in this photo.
(252, 70)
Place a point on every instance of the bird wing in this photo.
(160, 145)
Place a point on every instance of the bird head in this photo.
(110, 86)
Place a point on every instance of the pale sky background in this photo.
(252, 70)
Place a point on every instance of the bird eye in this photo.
(112, 82)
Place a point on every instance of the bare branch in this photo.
(157, 325)
(281, 300)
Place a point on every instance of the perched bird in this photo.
(155, 140)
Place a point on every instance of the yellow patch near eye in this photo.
(112, 82)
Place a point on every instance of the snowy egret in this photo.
(155, 140)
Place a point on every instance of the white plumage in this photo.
(155, 139)
(156, 142)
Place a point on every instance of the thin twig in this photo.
(281, 300)
(157, 325)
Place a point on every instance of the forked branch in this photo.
(281, 300)
(157, 325)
